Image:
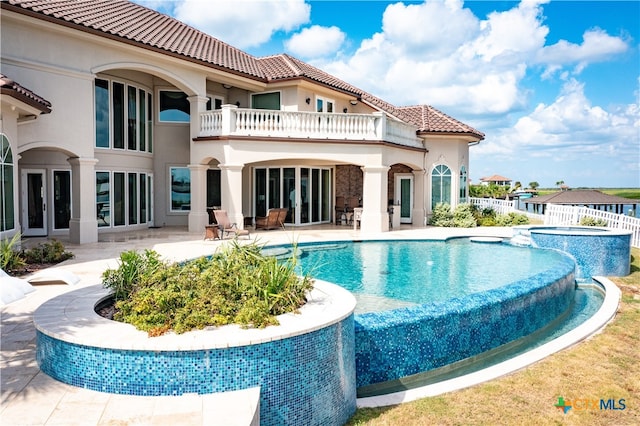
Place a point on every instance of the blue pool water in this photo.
(427, 305)
(385, 275)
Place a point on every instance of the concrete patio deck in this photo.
(30, 397)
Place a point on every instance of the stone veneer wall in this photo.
(348, 181)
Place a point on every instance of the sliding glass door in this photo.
(304, 191)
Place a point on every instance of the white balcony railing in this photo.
(233, 121)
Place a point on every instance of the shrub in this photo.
(442, 215)
(238, 285)
(591, 221)
(464, 216)
(51, 251)
(11, 258)
(511, 219)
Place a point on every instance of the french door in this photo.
(404, 195)
(34, 202)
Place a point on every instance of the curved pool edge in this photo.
(587, 329)
(71, 318)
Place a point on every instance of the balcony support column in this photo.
(197, 104)
(375, 217)
(418, 213)
(198, 216)
(231, 192)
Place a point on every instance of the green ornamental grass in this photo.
(237, 285)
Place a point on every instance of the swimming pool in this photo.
(434, 303)
(386, 275)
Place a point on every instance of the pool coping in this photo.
(590, 327)
(71, 318)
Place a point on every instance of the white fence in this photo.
(566, 215)
(502, 207)
(572, 215)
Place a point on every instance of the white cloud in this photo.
(315, 42)
(243, 23)
(441, 54)
(571, 127)
(596, 46)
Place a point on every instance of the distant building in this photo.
(495, 179)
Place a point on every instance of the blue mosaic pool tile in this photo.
(305, 380)
(394, 344)
(596, 254)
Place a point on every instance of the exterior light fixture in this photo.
(308, 101)
(237, 103)
(227, 86)
(353, 102)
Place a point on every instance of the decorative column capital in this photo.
(231, 167)
(80, 161)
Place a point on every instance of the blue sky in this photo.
(554, 85)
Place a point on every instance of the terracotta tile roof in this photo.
(137, 24)
(495, 178)
(9, 87)
(428, 119)
(581, 197)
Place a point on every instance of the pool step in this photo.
(521, 240)
(233, 408)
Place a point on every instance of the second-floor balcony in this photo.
(234, 121)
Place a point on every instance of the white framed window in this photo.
(214, 102)
(7, 212)
(180, 184)
(324, 104)
(174, 107)
(440, 185)
(269, 100)
(123, 116)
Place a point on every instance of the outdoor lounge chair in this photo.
(226, 227)
(273, 220)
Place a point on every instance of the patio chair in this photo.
(226, 227)
(273, 220)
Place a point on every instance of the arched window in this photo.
(440, 185)
(463, 185)
(7, 220)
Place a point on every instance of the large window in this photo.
(174, 107)
(463, 185)
(266, 101)
(7, 219)
(103, 121)
(61, 199)
(123, 198)
(123, 116)
(180, 189)
(440, 185)
(103, 199)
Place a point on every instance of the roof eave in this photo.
(29, 105)
(117, 38)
